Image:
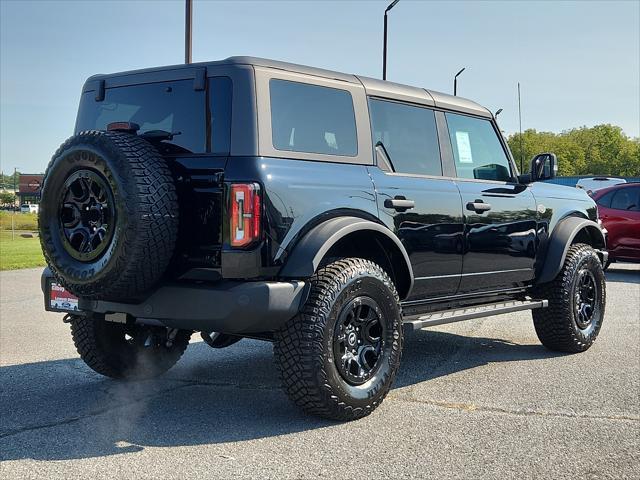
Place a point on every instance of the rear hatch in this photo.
(197, 111)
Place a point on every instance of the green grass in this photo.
(21, 221)
(19, 252)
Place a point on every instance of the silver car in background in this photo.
(596, 183)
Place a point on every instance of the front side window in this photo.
(477, 150)
(605, 200)
(409, 135)
(626, 199)
(312, 119)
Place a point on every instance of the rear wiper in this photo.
(158, 135)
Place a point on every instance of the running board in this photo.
(417, 322)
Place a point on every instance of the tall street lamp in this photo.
(188, 18)
(455, 82)
(384, 43)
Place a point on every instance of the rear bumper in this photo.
(226, 306)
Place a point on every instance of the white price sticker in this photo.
(464, 147)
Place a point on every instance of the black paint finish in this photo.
(431, 232)
(500, 243)
(453, 250)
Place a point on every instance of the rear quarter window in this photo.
(312, 119)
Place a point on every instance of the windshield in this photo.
(174, 107)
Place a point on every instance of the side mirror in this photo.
(544, 166)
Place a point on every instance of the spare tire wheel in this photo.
(108, 218)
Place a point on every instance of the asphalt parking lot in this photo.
(477, 399)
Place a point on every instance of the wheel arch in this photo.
(349, 236)
(567, 232)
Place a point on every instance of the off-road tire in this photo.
(145, 218)
(105, 348)
(557, 325)
(303, 347)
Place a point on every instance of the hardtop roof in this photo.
(374, 87)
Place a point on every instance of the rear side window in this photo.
(409, 135)
(477, 150)
(312, 119)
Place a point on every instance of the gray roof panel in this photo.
(459, 104)
(396, 91)
(240, 60)
(373, 87)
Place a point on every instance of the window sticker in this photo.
(464, 147)
(330, 138)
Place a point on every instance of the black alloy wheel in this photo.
(87, 215)
(358, 340)
(585, 298)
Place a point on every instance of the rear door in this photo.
(499, 214)
(431, 231)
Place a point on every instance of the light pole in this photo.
(384, 42)
(188, 17)
(455, 81)
(497, 113)
(521, 139)
(13, 215)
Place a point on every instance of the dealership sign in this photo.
(30, 184)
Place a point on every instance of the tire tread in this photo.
(299, 347)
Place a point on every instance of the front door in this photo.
(499, 214)
(431, 230)
(620, 211)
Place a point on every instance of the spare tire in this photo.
(108, 216)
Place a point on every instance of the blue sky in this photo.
(578, 62)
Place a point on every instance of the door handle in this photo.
(478, 206)
(399, 204)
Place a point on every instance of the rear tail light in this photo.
(245, 214)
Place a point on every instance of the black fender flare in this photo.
(304, 259)
(561, 239)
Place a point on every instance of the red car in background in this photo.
(619, 210)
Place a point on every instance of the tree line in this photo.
(599, 150)
(8, 181)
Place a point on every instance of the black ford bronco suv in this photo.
(327, 213)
